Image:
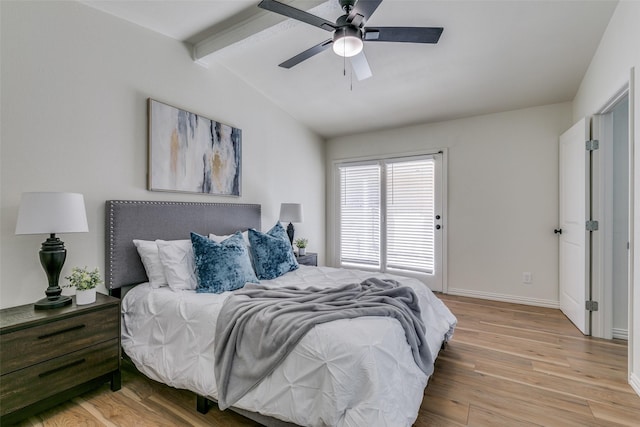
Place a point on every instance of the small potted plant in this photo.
(85, 282)
(301, 243)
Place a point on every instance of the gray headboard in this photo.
(150, 220)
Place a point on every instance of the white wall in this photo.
(74, 118)
(502, 196)
(616, 62)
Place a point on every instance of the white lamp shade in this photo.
(348, 46)
(291, 212)
(347, 41)
(47, 213)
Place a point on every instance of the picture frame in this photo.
(191, 153)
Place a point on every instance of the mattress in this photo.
(350, 372)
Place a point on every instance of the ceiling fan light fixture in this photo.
(347, 41)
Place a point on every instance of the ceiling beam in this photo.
(241, 26)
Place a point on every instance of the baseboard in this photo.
(621, 334)
(504, 298)
(634, 382)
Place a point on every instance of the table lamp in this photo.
(51, 213)
(290, 212)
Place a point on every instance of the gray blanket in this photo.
(258, 327)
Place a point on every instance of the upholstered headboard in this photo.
(150, 220)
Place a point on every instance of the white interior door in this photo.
(575, 177)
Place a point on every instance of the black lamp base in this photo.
(52, 256)
(290, 232)
(57, 302)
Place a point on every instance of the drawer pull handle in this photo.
(61, 368)
(62, 331)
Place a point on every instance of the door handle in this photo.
(558, 231)
(438, 227)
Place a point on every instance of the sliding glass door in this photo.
(390, 216)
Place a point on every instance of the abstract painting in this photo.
(190, 153)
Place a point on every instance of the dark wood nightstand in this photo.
(309, 258)
(49, 356)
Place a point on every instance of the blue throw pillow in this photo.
(272, 252)
(222, 266)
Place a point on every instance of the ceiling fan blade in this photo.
(360, 66)
(307, 54)
(362, 11)
(300, 15)
(403, 34)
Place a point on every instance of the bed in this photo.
(348, 372)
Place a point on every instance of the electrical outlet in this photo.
(527, 278)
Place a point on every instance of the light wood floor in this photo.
(507, 365)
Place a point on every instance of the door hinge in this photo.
(592, 144)
(592, 225)
(591, 305)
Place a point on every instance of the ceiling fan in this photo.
(349, 32)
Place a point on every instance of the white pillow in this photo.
(179, 263)
(219, 239)
(148, 252)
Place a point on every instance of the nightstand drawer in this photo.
(26, 386)
(33, 345)
(309, 259)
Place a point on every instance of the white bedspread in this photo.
(356, 372)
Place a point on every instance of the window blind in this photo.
(360, 214)
(387, 214)
(410, 204)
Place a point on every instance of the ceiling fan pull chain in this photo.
(351, 82)
(344, 63)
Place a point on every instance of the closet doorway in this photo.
(613, 131)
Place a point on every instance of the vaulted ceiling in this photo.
(492, 56)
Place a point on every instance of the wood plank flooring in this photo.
(517, 365)
(507, 365)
